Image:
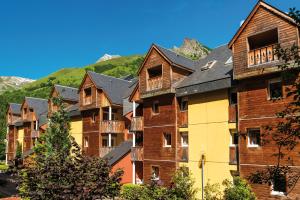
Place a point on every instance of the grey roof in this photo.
(214, 78)
(67, 93)
(40, 107)
(119, 152)
(16, 108)
(115, 88)
(73, 110)
(18, 123)
(177, 59)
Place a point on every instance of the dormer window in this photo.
(87, 96)
(208, 65)
(261, 47)
(154, 78)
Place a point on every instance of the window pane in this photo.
(254, 137)
(275, 90)
(235, 138)
(279, 183)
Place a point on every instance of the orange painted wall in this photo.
(126, 165)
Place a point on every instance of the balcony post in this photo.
(133, 108)
(133, 172)
(109, 118)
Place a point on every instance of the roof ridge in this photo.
(109, 76)
(15, 103)
(65, 86)
(36, 98)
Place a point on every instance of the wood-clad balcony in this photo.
(232, 112)
(137, 124)
(183, 154)
(112, 126)
(35, 134)
(137, 153)
(233, 155)
(262, 55)
(155, 83)
(183, 119)
(105, 150)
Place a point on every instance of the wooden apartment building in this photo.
(262, 93)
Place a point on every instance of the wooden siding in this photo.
(232, 112)
(262, 20)
(137, 154)
(137, 124)
(95, 97)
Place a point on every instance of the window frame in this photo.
(152, 177)
(248, 138)
(153, 108)
(165, 141)
(275, 80)
(278, 193)
(181, 139)
(232, 132)
(86, 142)
(184, 99)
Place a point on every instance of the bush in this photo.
(212, 191)
(3, 167)
(132, 192)
(238, 190)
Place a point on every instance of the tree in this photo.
(237, 190)
(285, 134)
(60, 171)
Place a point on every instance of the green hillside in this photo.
(117, 67)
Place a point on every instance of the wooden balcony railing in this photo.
(233, 155)
(34, 134)
(137, 124)
(262, 55)
(137, 153)
(183, 154)
(154, 83)
(87, 100)
(112, 126)
(183, 119)
(232, 112)
(105, 150)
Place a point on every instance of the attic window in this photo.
(263, 39)
(155, 72)
(208, 65)
(87, 96)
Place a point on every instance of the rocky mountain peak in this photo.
(191, 48)
(107, 57)
(12, 82)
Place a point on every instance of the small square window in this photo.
(184, 104)
(155, 173)
(233, 98)
(155, 107)
(184, 139)
(279, 185)
(234, 138)
(275, 89)
(86, 142)
(253, 137)
(167, 140)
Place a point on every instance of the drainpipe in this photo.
(202, 174)
(133, 145)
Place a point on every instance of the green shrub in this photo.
(238, 190)
(3, 167)
(132, 192)
(212, 191)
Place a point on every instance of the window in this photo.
(155, 72)
(234, 138)
(184, 139)
(86, 142)
(275, 89)
(155, 173)
(88, 95)
(155, 107)
(253, 137)
(183, 104)
(31, 110)
(93, 118)
(167, 140)
(263, 39)
(35, 125)
(208, 65)
(105, 141)
(279, 185)
(233, 98)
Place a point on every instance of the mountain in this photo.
(106, 57)
(193, 49)
(12, 82)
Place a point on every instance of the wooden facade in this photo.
(256, 109)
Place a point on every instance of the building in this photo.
(101, 107)
(70, 98)
(262, 93)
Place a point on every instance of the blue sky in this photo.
(38, 37)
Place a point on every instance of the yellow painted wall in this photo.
(76, 130)
(21, 136)
(209, 134)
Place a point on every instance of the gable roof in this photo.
(15, 108)
(172, 57)
(263, 4)
(114, 88)
(119, 152)
(67, 93)
(216, 77)
(40, 107)
(73, 110)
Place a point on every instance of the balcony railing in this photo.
(34, 134)
(262, 55)
(233, 155)
(183, 154)
(232, 112)
(137, 153)
(87, 100)
(137, 124)
(154, 83)
(112, 126)
(183, 119)
(105, 150)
